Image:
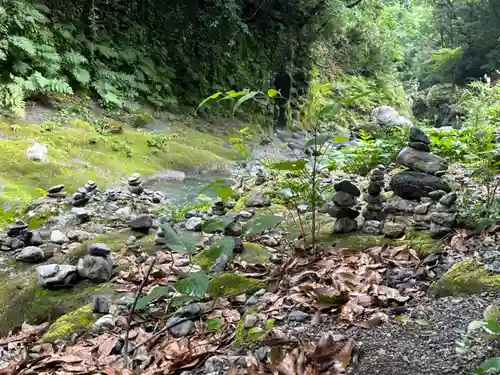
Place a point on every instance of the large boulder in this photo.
(421, 161)
(415, 185)
(388, 116)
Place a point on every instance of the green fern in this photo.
(74, 58)
(24, 44)
(81, 75)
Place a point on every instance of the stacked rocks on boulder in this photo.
(373, 212)
(261, 176)
(135, 184)
(56, 191)
(98, 265)
(56, 276)
(91, 186)
(218, 208)
(444, 219)
(80, 198)
(344, 199)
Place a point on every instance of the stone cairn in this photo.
(82, 196)
(218, 207)
(56, 191)
(444, 219)
(373, 212)
(135, 184)
(261, 177)
(344, 199)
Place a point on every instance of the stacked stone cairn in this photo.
(218, 207)
(160, 235)
(261, 177)
(98, 265)
(80, 198)
(444, 219)
(373, 212)
(56, 191)
(344, 199)
(135, 184)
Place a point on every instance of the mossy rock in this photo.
(25, 301)
(225, 284)
(76, 321)
(465, 277)
(254, 253)
(207, 257)
(141, 118)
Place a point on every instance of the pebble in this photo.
(55, 188)
(98, 249)
(298, 316)
(58, 237)
(100, 304)
(105, 322)
(182, 329)
(250, 321)
(31, 254)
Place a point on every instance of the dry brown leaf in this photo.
(370, 323)
(316, 319)
(107, 346)
(346, 353)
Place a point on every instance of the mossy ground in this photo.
(78, 152)
(79, 320)
(465, 277)
(225, 284)
(24, 300)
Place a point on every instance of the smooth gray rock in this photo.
(345, 225)
(31, 254)
(58, 237)
(449, 199)
(393, 229)
(343, 199)
(142, 223)
(104, 323)
(415, 185)
(95, 268)
(347, 187)
(421, 161)
(298, 316)
(98, 249)
(417, 135)
(194, 224)
(54, 276)
(181, 329)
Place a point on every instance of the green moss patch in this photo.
(25, 301)
(254, 253)
(465, 277)
(76, 321)
(226, 284)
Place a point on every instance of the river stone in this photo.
(95, 268)
(343, 199)
(142, 223)
(449, 199)
(393, 229)
(422, 209)
(100, 304)
(31, 254)
(417, 135)
(342, 212)
(55, 189)
(444, 219)
(374, 189)
(181, 329)
(421, 161)
(347, 187)
(419, 146)
(98, 249)
(36, 239)
(372, 226)
(234, 229)
(16, 228)
(193, 224)
(104, 323)
(298, 316)
(258, 199)
(14, 243)
(58, 237)
(415, 185)
(54, 276)
(345, 225)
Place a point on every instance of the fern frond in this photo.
(107, 51)
(23, 43)
(74, 58)
(81, 75)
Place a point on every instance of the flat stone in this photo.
(142, 223)
(343, 199)
(136, 189)
(370, 198)
(250, 321)
(415, 185)
(258, 199)
(419, 146)
(54, 276)
(194, 224)
(298, 316)
(31, 254)
(422, 209)
(373, 215)
(58, 237)
(374, 189)
(95, 268)
(342, 212)
(16, 228)
(449, 199)
(181, 329)
(372, 226)
(345, 225)
(393, 229)
(104, 323)
(444, 219)
(55, 188)
(59, 195)
(421, 161)
(347, 187)
(98, 249)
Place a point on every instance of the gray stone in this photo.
(31, 254)
(385, 115)
(100, 304)
(98, 249)
(417, 135)
(190, 311)
(16, 228)
(374, 189)
(194, 224)
(258, 199)
(55, 188)
(393, 229)
(449, 209)
(419, 146)
(95, 268)
(415, 185)
(422, 209)
(104, 323)
(245, 214)
(369, 198)
(142, 223)
(345, 225)
(298, 316)
(399, 206)
(250, 321)
(449, 199)
(373, 215)
(234, 229)
(347, 187)
(14, 243)
(439, 230)
(342, 212)
(421, 161)
(372, 226)
(181, 329)
(343, 199)
(36, 239)
(444, 219)
(54, 276)
(58, 237)
(262, 352)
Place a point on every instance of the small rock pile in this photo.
(261, 177)
(160, 235)
(56, 191)
(80, 198)
(444, 219)
(218, 207)
(135, 184)
(373, 212)
(425, 169)
(98, 265)
(344, 199)
(19, 236)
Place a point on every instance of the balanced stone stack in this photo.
(373, 212)
(91, 187)
(261, 177)
(344, 199)
(135, 184)
(80, 198)
(98, 265)
(218, 208)
(444, 219)
(56, 191)
(425, 169)
(160, 235)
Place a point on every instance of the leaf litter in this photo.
(348, 287)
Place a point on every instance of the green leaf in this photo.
(340, 139)
(488, 365)
(476, 324)
(255, 331)
(224, 192)
(211, 185)
(154, 294)
(195, 285)
(216, 224)
(184, 243)
(213, 324)
(262, 223)
(223, 246)
(206, 100)
(351, 100)
(272, 92)
(422, 322)
(289, 165)
(269, 324)
(23, 43)
(244, 98)
(491, 313)
(244, 130)
(329, 110)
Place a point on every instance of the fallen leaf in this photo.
(107, 346)
(346, 353)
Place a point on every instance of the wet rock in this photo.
(142, 223)
(343, 199)
(95, 268)
(419, 146)
(417, 135)
(415, 185)
(101, 304)
(98, 249)
(16, 228)
(31, 254)
(55, 276)
(347, 187)
(13, 243)
(393, 229)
